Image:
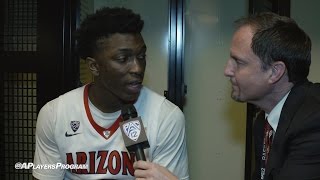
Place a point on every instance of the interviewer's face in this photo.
(248, 79)
(122, 65)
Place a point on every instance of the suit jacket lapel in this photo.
(288, 111)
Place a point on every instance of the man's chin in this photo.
(131, 99)
(237, 98)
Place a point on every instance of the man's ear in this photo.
(278, 70)
(93, 66)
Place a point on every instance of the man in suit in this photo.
(269, 62)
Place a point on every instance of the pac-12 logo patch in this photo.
(132, 129)
(75, 125)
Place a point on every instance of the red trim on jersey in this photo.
(98, 128)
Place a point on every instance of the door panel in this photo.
(33, 58)
(304, 13)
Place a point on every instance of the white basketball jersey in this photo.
(67, 133)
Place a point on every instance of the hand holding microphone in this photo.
(135, 139)
(133, 132)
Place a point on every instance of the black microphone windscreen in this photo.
(133, 131)
(128, 111)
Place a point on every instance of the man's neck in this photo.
(274, 97)
(103, 100)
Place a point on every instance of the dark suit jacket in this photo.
(295, 152)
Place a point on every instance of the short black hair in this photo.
(279, 38)
(103, 23)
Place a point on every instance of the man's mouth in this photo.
(135, 86)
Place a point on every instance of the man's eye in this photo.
(122, 58)
(141, 57)
(239, 62)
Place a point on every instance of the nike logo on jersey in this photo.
(68, 135)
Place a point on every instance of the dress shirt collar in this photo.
(274, 115)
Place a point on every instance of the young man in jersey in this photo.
(82, 126)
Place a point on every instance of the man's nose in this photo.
(137, 66)
(229, 70)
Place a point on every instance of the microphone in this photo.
(133, 132)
